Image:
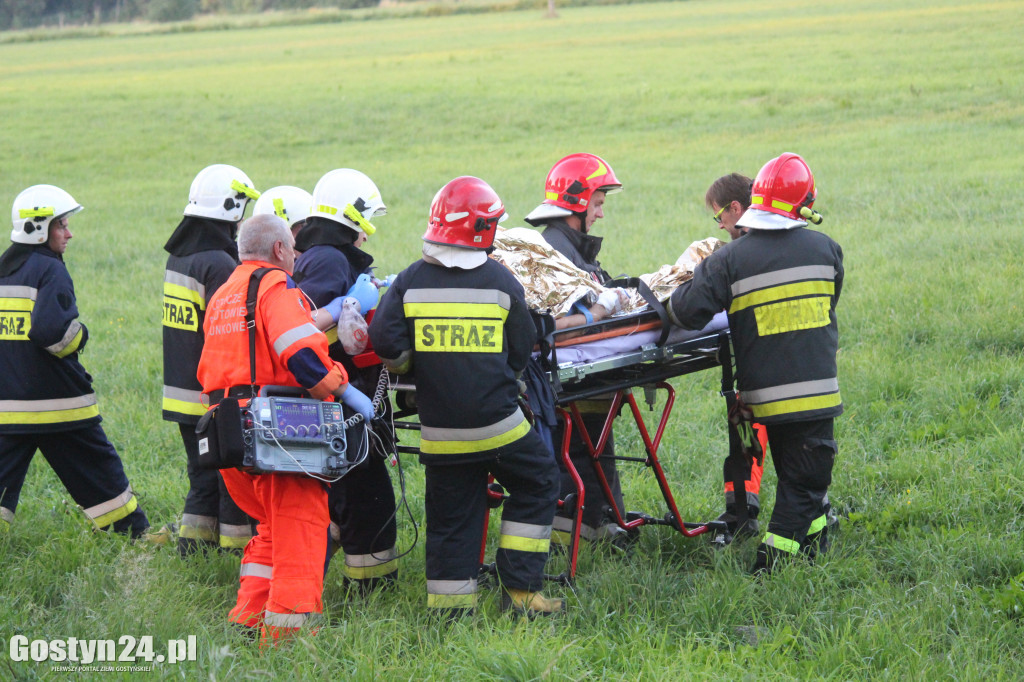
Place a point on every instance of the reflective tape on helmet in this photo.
(36, 212)
(356, 217)
(279, 209)
(242, 188)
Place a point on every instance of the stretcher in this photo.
(610, 357)
(609, 360)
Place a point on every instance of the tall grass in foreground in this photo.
(909, 113)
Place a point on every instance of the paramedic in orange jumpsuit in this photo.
(282, 568)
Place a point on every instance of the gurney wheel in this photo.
(568, 505)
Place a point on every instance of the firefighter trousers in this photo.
(803, 454)
(363, 520)
(89, 467)
(282, 573)
(456, 506)
(598, 523)
(210, 517)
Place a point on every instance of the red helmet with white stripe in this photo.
(465, 213)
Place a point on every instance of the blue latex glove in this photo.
(358, 401)
(334, 308)
(365, 292)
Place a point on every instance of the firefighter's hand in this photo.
(334, 308)
(358, 401)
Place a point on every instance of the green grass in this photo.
(911, 115)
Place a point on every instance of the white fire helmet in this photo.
(35, 208)
(348, 197)
(290, 204)
(220, 192)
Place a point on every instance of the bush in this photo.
(171, 10)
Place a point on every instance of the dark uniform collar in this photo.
(587, 245)
(195, 234)
(16, 256)
(322, 232)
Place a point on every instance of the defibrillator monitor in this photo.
(294, 435)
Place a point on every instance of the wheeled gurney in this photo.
(607, 358)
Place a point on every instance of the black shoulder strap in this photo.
(545, 325)
(652, 300)
(250, 316)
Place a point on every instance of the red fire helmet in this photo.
(465, 213)
(573, 180)
(784, 186)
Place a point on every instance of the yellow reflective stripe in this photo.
(451, 601)
(36, 212)
(183, 407)
(73, 344)
(25, 304)
(185, 294)
(780, 543)
(551, 195)
(324, 208)
(561, 537)
(366, 572)
(485, 311)
(601, 170)
(521, 544)
(779, 293)
(110, 517)
(15, 325)
(446, 335)
(817, 524)
(793, 315)
(332, 336)
(232, 542)
(757, 199)
(242, 188)
(49, 416)
(818, 402)
(355, 216)
(197, 533)
(455, 447)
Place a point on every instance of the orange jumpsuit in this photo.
(281, 581)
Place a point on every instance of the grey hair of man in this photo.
(258, 234)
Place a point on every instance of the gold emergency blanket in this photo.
(552, 282)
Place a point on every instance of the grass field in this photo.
(911, 114)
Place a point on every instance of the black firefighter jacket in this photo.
(780, 288)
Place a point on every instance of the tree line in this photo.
(22, 14)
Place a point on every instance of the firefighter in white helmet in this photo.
(48, 399)
(780, 284)
(459, 320)
(202, 255)
(362, 504)
(290, 204)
